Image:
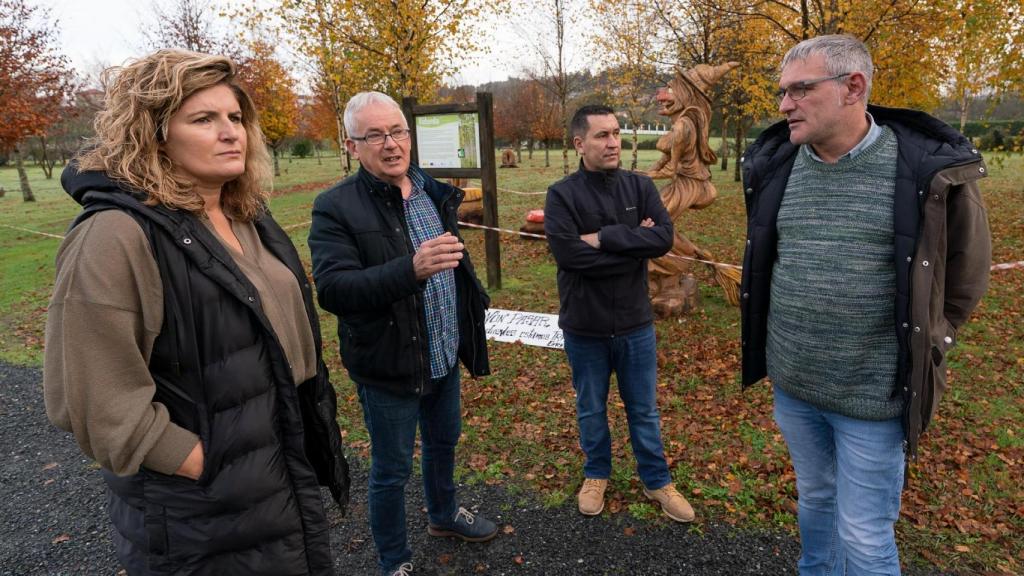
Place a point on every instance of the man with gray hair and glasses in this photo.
(388, 261)
(867, 248)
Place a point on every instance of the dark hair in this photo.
(580, 120)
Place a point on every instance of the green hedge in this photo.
(979, 128)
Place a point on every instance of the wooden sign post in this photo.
(457, 141)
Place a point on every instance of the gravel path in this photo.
(54, 520)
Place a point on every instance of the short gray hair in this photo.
(362, 100)
(843, 54)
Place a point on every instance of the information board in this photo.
(448, 140)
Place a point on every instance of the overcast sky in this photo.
(99, 33)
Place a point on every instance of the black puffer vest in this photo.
(223, 375)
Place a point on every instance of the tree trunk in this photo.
(805, 23)
(277, 166)
(965, 104)
(723, 148)
(565, 151)
(741, 137)
(26, 190)
(45, 162)
(547, 155)
(529, 148)
(339, 112)
(632, 165)
(519, 150)
(319, 162)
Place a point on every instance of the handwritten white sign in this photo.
(531, 328)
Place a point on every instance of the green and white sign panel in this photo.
(448, 140)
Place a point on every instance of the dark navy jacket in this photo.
(603, 292)
(362, 265)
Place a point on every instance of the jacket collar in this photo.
(601, 179)
(439, 192)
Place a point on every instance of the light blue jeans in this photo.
(849, 475)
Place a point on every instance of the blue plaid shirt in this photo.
(424, 223)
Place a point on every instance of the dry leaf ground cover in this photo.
(964, 510)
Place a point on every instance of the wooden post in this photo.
(489, 183)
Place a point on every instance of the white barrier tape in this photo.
(1008, 265)
(477, 184)
(995, 267)
(517, 192)
(505, 230)
(543, 237)
(47, 234)
(299, 225)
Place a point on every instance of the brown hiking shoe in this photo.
(673, 504)
(591, 496)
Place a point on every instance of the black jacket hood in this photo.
(78, 184)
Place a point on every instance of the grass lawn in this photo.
(964, 510)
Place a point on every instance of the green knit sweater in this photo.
(831, 338)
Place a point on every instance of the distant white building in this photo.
(644, 129)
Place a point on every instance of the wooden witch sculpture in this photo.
(685, 157)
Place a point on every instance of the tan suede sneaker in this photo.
(591, 496)
(673, 504)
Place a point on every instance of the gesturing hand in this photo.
(437, 254)
(647, 223)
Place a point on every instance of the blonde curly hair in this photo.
(140, 99)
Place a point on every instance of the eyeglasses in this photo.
(797, 90)
(378, 138)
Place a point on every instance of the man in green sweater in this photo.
(867, 247)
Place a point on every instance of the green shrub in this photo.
(981, 128)
(993, 141)
(302, 148)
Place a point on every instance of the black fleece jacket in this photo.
(603, 291)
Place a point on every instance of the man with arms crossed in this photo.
(602, 224)
(867, 247)
(387, 259)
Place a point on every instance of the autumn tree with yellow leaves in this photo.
(920, 50)
(981, 48)
(706, 32)
(402, 47)
(901, 35)
(623, 34)
(315, 26)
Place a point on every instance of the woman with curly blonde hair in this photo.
(183, 347)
